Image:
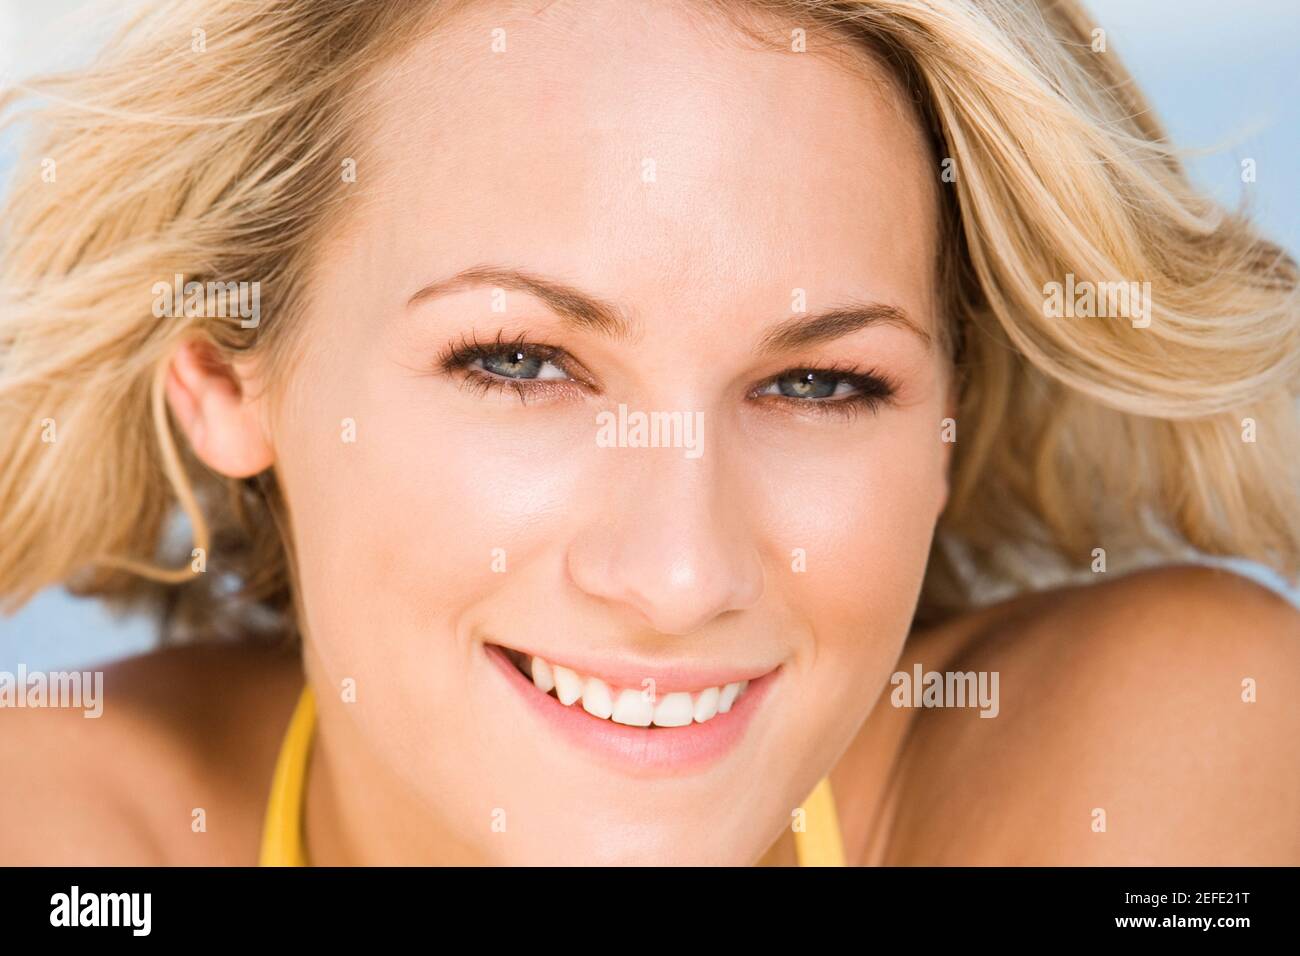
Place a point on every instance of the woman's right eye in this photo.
(519, 363)
(528, 370)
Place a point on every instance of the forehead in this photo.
(648, 151)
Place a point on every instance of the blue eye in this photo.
(528, 371)
(518, 363)
(808, 383)
(827, 389)
(535, 371)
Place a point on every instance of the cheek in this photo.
(863, 511)
(420, 516)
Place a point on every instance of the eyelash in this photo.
(459, 355)
(871, 388)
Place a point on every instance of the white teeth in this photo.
(543, 679)
(568, 685)
(706, 705)
(629, 706)
(633, 708)
(596, 698)
(675, 710)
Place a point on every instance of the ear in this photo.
(209, 399)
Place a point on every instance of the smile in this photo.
(669, 720)
(631, 707)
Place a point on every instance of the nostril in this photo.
(675, 562)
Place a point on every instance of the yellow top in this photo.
(816, 844)
(282, 831)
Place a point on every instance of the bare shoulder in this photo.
(173, 769)
(1150, 719)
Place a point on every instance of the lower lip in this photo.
(641, 750)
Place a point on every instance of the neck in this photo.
(375, 824)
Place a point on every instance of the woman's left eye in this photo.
(828, 388)
(808, 383)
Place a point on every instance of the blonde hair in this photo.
(1072, 434)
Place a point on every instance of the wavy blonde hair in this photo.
(224, 164)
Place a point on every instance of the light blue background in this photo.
(1224, 78)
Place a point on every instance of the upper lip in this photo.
(668, 676)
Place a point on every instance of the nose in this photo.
(670, 540)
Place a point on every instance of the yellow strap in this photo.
(817, 844)
(282, 843)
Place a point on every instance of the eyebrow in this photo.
(598, 315)
(802, 331)
(577, 307)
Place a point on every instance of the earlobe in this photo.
(211, 406)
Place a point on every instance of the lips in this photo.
(607, 720)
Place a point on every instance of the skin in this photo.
(773, 172)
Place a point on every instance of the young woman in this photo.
(595, 424)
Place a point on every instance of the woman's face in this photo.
(451, 450)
